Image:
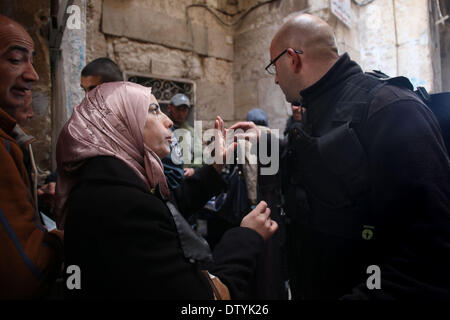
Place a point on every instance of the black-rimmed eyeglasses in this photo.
(271, 69)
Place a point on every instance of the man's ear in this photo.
(295, 60)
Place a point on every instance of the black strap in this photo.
(195, 248)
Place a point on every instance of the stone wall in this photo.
(395, 37)
(155, 38)
(226, 58)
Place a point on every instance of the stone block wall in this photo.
(226, 59)
(156, 38)
(396, 38)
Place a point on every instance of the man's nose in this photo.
(30, 73)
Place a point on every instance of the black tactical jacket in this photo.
(366, 181)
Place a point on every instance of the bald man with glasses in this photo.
(366, 177)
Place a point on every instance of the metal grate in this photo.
(164, 89)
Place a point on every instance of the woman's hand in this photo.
(259, 220)
(220, 144)
(188, 172)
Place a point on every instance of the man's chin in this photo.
(13, 102)
(10, 106)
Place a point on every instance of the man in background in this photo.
(99, 71)
(178, 111)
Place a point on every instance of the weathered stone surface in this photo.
(220, 43)
(272, 100)
(395, 38)
(150, 58)
(96, 45)
(127, 19)
(214, 99)
(379, 58)
(217, 70)
(245, 97)
(412, 21)
(378, 37)
(420, 74)
(415, 43)
(219, 36)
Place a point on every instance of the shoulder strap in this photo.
(355, 99)
(351, 114)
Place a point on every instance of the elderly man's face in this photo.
(16, 68)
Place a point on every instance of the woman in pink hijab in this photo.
(123, 228)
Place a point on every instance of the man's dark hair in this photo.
(107, 69)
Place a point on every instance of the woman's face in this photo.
(157, 134)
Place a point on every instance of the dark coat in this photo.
(399, 217)
(125, 241)
(31, 257)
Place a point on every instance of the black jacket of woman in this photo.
(124, 239)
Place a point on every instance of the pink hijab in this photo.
(109, 122)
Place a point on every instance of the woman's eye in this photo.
(154, 108)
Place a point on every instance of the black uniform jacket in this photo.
(397, 222)
(125, 242)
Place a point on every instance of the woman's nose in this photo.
(167, 122)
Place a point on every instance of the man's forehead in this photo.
(13, 35)
(273, 47)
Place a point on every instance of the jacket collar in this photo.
(7, 123)
(109, 169)
(317, 97)
(21, 136)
